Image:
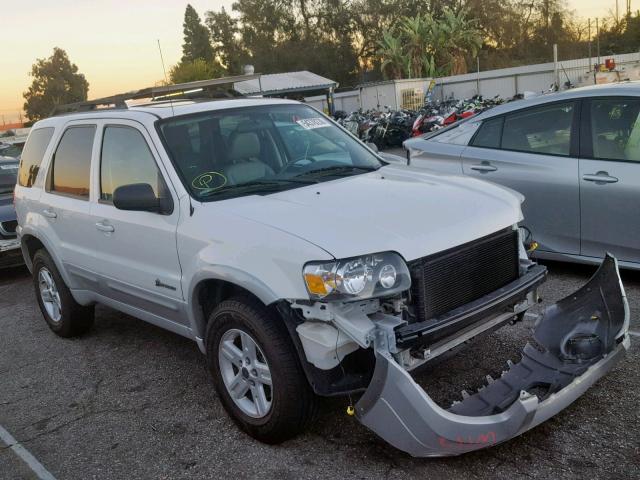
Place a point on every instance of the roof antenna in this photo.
(173, 113)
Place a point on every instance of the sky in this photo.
(114, 42)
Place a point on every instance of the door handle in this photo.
(600, 177)
(49, 213)
(104, 227)
(484, 167)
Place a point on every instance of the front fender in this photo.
(227, 274)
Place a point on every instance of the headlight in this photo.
(357, 278)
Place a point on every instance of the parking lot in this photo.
(130, 400)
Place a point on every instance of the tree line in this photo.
(354, 41)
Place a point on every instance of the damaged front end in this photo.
(575, 342)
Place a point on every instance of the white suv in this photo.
(302, 263)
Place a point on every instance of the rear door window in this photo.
(70, 172)
(544, 130)
(32, 155)
(489, 134)
(615, 129)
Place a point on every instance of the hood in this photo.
(396, 208)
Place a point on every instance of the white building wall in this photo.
(534, 82)
(377, 96)
(347, 101)
(505, 82)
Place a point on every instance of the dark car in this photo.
(10, 253)
(11, 150)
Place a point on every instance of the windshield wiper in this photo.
(338, 169)
(257, 186)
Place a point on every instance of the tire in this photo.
(292, 402)
(65, 317)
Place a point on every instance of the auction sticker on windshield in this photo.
(311, 123)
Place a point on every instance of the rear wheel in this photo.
(256, 371)
(62, 313)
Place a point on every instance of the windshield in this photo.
(8, 175)
(260, 150)
(13, 151)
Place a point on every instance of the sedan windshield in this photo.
(261, 150)
(12, 151)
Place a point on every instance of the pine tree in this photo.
(197, 44)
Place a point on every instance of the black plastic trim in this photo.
(352, 376)
(429, 331)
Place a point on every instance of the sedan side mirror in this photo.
(138, 197)
(372, 146)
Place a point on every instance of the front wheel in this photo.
(256, 371)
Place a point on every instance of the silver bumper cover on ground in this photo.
(575, 342)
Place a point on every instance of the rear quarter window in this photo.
(32, 155)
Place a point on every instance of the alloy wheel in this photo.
(245, 372)
(50, 295)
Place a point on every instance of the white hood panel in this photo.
(402, 209)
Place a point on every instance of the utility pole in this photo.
(589, 38)
(595, 70)
(617, 14)
(546, 20)
(556, 73)
(598, 40)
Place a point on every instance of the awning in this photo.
(281, 83)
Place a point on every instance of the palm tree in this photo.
(461, 37)
(394, 61)
(416, 33)
(426, 46)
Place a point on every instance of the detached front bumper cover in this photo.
(575, 342)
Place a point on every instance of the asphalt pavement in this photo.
(129, 400)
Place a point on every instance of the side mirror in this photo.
(139, 197)
(373, 146)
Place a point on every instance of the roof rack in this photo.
(164, 92)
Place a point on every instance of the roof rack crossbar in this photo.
(119, 101)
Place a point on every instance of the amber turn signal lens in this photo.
(315, 284)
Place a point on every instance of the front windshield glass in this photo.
(260, 150)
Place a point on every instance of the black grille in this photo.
(450, 279)
(10, 226)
